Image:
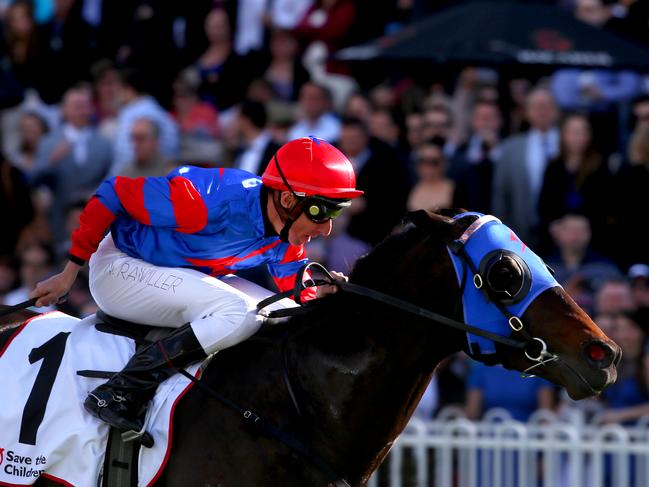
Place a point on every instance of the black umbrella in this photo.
(504, 32)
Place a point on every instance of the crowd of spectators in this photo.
(91, 89)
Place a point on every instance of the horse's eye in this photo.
(505, 276)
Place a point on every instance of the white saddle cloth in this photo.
(44, 429)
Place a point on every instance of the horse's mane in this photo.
(404, 236)
(368, 270)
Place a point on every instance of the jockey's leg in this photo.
(216, 316)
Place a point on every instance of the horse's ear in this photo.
(428, 220)
(421, 218)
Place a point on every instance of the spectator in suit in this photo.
(472, 165)
(258, 144)
(518, 174)
(136, 104)
(316, 117)
(383, 179)
(73, 159)
(147, 158)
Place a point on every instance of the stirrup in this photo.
(142, 437)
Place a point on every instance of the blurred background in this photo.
(537, 112)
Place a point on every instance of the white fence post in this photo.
(502, 452)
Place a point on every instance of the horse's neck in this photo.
(15, 318)
(364, 384)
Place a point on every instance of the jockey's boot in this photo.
(122, 401)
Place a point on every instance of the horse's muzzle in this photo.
(601, 355)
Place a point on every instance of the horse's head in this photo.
(508, 291)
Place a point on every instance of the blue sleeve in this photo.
(476, 379)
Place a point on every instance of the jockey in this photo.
(169, 239)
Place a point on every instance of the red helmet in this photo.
(311, 167)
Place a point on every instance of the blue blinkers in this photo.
(507, 277)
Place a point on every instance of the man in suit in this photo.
(385, 184)
(518, 174)
(258, 145)
(472, 165)
(73, 159)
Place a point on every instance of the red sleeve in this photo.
(285, 272)
(157, 201)
(93, 222)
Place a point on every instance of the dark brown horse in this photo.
(358, 368)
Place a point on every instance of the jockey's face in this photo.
(303, 230)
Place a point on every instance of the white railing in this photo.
(501, 452)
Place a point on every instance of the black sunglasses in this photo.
(321, 210)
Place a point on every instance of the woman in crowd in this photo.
(630, 202)
(576, 180)
(285, 72)
(433, 188)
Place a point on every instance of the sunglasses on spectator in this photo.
(437, 125)
(435, 161)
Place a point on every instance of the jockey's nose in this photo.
(326, 227)
(601, 355)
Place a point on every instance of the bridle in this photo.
(534, 348)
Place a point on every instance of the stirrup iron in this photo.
(142, 437)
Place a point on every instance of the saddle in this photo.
(142, 334)
(121, 461)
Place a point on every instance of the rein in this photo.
(379, 296)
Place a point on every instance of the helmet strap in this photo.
(283, 235)
(288, 215)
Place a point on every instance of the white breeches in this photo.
(135, 290)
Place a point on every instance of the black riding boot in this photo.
(121, 402)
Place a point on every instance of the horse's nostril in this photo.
(600, 354)
(596, 352)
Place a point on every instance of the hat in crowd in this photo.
(638, 270)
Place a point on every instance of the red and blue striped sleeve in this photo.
(172, 202)
(285, 272)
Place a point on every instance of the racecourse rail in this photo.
(451, 451)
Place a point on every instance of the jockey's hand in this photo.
(51, 290)
(331, 289)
